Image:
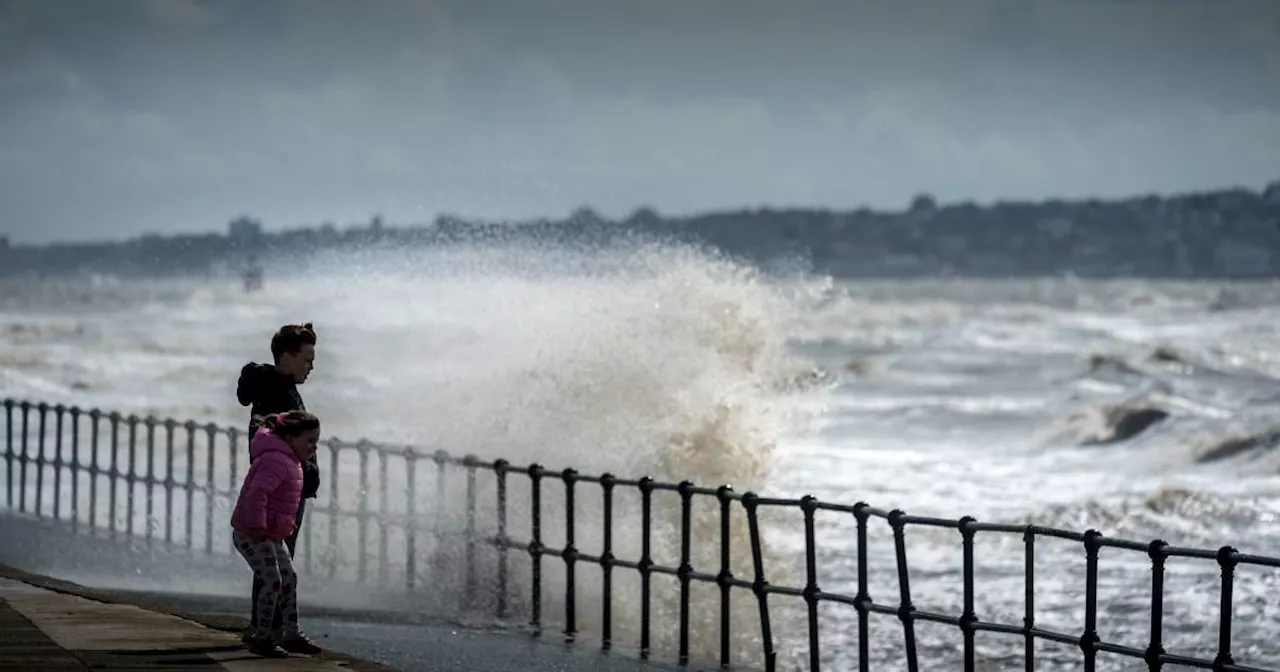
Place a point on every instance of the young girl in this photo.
(264, 517)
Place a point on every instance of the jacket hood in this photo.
(265, 442)
(256, 380)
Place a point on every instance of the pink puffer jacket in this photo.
(272, 489)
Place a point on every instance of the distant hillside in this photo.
(1231, 233)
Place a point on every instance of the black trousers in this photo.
(291, 543)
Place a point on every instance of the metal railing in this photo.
(179, 498)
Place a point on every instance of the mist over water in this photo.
(635, 358)
(1006, 400)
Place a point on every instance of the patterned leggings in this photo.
(270, 563)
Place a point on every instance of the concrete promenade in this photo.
(50, 624)
(42, 629)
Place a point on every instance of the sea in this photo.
(1143, 409)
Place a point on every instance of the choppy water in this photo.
(948, 398)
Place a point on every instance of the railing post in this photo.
(58, 412)
(469, 464)
(8, 453)
(75, 468)
(1227, 561)
(535, 544)
(362, 512)
(809, 506)
(233, 463)
(150, 423)
(645, 565)
(759, 586)
(861, 511)
(968, 618)
(190, 427)
(1089, 639)
(113, 526)
(169, 425)
(334, 447)
(26, 456)
(607, 483)
(906, 610)
(685, 569)
(411, 520)
(724, 494)
(500, 468)
(1029, 603)
(43, 410)
(305, 540)
(441, 459)
(233, 460)
(131, 477)
(1155, 649)
(211, 490)
(570, 555)
(233, 485)
(94, 470)
(384, 520)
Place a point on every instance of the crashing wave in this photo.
(1235, 446)
(1108, 423)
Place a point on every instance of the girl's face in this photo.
(304, 444)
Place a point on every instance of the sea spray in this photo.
(634, 358)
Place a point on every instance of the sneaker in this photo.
(265, 647)
(300, 643)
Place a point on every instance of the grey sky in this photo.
(119, 117)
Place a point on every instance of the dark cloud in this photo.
(124, 116)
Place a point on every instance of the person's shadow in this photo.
(161, 659)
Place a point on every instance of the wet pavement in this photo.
(48, 624)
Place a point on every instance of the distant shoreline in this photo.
(1223, 234)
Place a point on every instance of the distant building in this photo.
(245, 230)
(1271, 195)
(923, 203)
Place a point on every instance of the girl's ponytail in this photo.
(291, 423)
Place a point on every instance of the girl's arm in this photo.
(257, 488)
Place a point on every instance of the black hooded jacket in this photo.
(268, 391)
